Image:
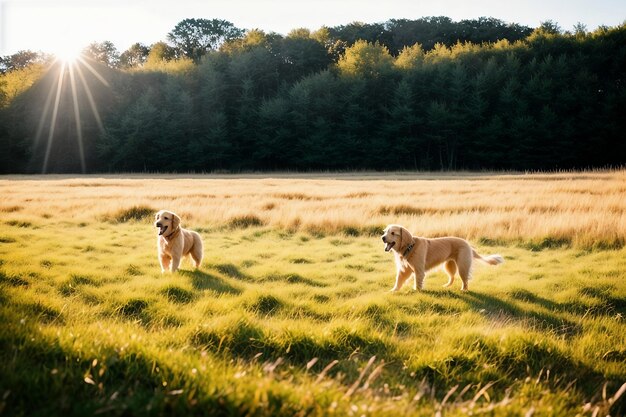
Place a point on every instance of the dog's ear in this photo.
(406, 233)
(175, 221)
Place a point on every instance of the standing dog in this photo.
(416, 255)
(174, 242)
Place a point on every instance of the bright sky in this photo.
(51, 26)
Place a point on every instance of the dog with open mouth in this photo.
(174, 242)
(417, 255)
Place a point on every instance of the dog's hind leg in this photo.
(196, 255)
(465, 269)
(196, 250)
(450, 267)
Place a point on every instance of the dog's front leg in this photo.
(164, 260)
(419, 280)
(175, 263)
(401, 276)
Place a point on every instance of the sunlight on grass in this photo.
(289, 318)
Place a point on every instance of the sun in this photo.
(68, 54)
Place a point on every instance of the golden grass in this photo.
(582, 209)
(290, 313)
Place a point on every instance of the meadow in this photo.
(290, 313)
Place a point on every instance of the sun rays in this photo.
(70, 73)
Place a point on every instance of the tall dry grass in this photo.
(582, 209)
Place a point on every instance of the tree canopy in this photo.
(195, 37)
(397, 95)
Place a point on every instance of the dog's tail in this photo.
(491, 259)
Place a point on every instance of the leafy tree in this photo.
(319, 110)
(410, 57)
(580, 30)
(20, 60)
(335, 48)
(135, 56)
(257, 67)
(3, 94)
(426, 31)
(359, 31)
(18, 81)
(488, 29)
(366, 59)
(126, 144)
(403, 130)
(195, 37)
(549, 27)
(252, 39)
(160, 52)
(276, 139)
(211, 147)
(302, 55)
(104, 53)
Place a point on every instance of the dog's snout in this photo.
(159, 225)
(384, 238)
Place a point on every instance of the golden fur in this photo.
(455, 253)
(174, 242)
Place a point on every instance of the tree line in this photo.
(426, 94)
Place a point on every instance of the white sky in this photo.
(51, 26)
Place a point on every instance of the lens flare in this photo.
(67, 54)
(69, 64)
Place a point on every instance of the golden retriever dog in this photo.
(417, 255)
(174, 242)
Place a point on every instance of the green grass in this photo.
(295, 323)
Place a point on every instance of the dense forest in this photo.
(426, 94)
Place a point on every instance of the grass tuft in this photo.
(547, 243)
(45, 313)
(133, 308)
(70, 286)
(133, 270)
(401, 210)
(243, 222)
(522, 294)
(177, 294)
(266, 305)
(134, 213)
(10, 209)
(485, 241)
(21, 224)
(13, 280)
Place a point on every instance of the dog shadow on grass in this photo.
(511, 309)
(201, 280)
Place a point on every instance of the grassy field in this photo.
(290, 313)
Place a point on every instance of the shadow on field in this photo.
(200, 280)
(293, 279)
(519, 357)
(49, 378)
(232, 271)
(501, 309)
